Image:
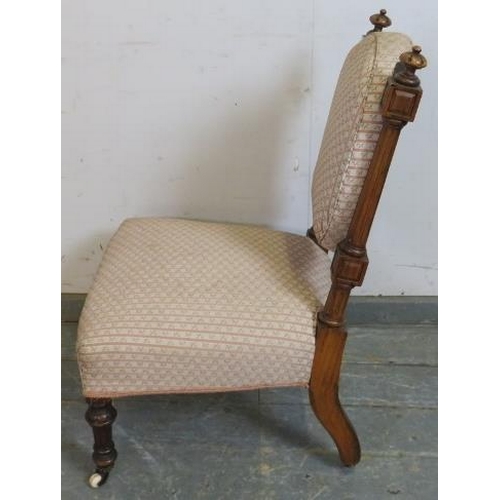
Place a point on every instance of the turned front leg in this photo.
(100, 415)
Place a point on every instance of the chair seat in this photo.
(186, 306)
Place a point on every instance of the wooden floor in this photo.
(268, 444)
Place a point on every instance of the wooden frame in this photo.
(399, 105)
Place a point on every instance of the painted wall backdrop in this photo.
(215, 110)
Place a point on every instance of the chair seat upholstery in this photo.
(186, 306)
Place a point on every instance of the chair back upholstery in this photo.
(351, 133)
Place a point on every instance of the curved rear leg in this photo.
(323, 393)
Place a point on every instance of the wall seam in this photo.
(311, 112)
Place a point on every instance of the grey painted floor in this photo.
(268, 444)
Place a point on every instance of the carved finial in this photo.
(379, 21)
(409, 62)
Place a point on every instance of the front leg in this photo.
(101, 415)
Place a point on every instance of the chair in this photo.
(183, 306)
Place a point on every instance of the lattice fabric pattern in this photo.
(351, 133)
(189, 306)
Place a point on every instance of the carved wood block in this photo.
(400, 102)
(349, 269)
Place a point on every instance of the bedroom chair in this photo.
(181, 306)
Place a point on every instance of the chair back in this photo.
(352, 133)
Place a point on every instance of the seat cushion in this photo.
(186, 306)
(351, 133)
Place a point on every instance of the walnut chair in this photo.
(182, 306)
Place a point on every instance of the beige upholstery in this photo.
(185, 306)
(351, 133)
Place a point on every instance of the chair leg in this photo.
(324, 397)
(100, 415)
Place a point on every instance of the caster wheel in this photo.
(97, 479)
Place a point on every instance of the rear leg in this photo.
(323, 393)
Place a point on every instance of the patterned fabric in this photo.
(351, 133)
(187, 306)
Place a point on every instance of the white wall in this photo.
(215, 110)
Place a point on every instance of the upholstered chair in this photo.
(183, 306)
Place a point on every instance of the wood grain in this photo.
(399, 105)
